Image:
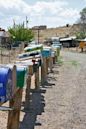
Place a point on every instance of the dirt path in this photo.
(61, 103)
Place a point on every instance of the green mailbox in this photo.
(20, 76)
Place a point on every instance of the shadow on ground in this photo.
(48, 85)
(36, 104)
(35, 107)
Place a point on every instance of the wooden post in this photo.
(31, 70)
(15, 104)
(37, 78)
(50, 63)
(47, 65)
(43, 71)
(14, 80)
(27, 97)
(14, 115)
(55, 58)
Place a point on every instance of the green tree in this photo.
(82, 23)
(19, 33)
(83, 20)
(80, 35)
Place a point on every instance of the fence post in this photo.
(37, 78)
(27, 97)
(43, 71)
(14, 115)
(47, 64)
(15, 104)
(50, 63)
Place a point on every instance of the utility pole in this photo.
(26, 22)
(38, 34)
(14, 24)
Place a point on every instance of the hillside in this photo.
(59, 31)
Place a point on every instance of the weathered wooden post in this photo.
(27, 97)
(15, 102)
(14, 115)
(47, 64)
(50, 63)
(43, 71)
(37, 77)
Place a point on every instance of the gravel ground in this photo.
(61, 102)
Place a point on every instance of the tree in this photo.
(82, 23)
(83, 20)
(19, 33)
(80, 35)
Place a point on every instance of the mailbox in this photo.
(46, 53)
(20, 76)
(5, 84)
(33, 48)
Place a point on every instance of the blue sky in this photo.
(52, 13)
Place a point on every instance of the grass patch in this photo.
(60, 60)
(74, 63)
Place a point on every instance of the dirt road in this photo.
(61, 103)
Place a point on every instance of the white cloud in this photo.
(40, 12)
(8, 4)
(69, 13)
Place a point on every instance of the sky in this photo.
(52, 13)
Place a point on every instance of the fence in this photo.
(33, 69)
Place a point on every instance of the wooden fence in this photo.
(15, 103)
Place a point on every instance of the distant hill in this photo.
(68, 30)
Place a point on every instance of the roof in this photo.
(67, 39)
(84, 40)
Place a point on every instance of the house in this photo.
(5, 37)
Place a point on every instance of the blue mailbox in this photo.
(5, 84)
(46, 53)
